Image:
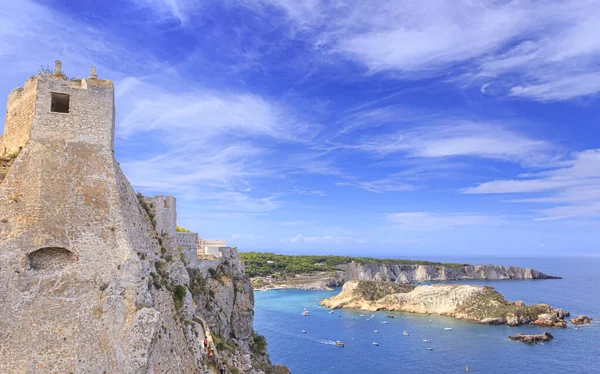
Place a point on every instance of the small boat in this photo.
(304, 331)
(376, 331)
(372, 315)
(339, 344)
(330, 312)
(361, 315)
(305, 312)
(390, 316)
(368, 319)
(447, 328)
(429, 348)
(425, 341)
(375, 343)
(384, 322)
(405, 333)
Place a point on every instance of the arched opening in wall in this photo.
(50, 258)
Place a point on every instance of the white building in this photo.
(211, 246)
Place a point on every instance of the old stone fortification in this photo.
(91, 278)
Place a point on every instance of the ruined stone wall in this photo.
(20, 109)
(188, 243)
(91, 111)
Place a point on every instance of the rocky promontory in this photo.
(411, 273)
(475, 303)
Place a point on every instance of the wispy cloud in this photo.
(551, 49)
(329, 239)
(426, 221)
(574, 185)
(179, 10)
(459, 138)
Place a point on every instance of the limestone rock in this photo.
(404, 273)
(532, 339)
(581, 320)
(477, 303)
(91, 276)
(494, 321)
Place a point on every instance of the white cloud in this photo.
(459, 138)
(551, 48)
(573, 184)
(329, 239)
(179, 10)
(201, 114)
(393, 183)
(425, 221)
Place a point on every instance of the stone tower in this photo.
(76, 248)
(49, 107)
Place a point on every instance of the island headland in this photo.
(480, 304)
(268, 271)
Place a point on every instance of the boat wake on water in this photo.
(327, 342)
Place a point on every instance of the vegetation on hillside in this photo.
(181, 229)
(264, 263)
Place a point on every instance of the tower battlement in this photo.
(49, 107)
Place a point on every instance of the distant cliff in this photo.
(405, 274)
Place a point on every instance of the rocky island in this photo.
(480, 304)
(269, 270)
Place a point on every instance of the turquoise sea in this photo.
(484, 349)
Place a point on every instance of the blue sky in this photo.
(307, 126)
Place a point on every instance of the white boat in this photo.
(304, 331)
(376, 331)
(405, 333)
(305, 312)
(339, 344)
(431, 349)
(447, 328)
(425, 340)
(374, 343)
(372, 315)
(361, 315)
(330, 312)
(384, 322)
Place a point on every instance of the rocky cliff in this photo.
(405, 274)
(476, 303)
(91, 278)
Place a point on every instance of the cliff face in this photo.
(225, 307)
(91, 278)
(477, 303)
(404, 274)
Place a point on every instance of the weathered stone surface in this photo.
(581, 320)
(91, 278)
(476, 303)
(532, 339)
(403, 274)
(498, 321)
(549, 320)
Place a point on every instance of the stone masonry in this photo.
(91, 276)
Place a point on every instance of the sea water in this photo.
(484, 349)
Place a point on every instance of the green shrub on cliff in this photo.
(179, 293)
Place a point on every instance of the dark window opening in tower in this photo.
(60, 103)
